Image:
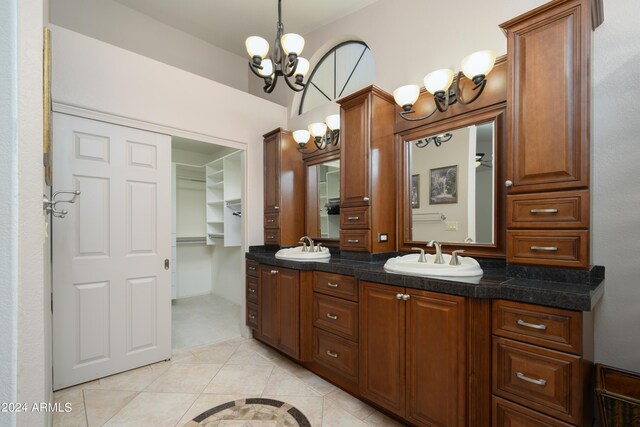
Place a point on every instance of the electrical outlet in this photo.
(383, 237)
(452, 225)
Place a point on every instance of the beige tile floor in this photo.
(191, 320)
(194, 380)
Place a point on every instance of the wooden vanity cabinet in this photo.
(367, 171)
(283, 193)
(413, 353)
(548, 114)
(280, 309)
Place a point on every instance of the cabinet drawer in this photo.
(335, 353)
(336, 315)
(252, 316)
(555, 248)
(548, 327)
(336, 285)
(355, 240)
(271, 237)
(252, 268)
(508, 414)
(252, 290)
(545, 380)
(357, 217)
(272, 220)
(567, 209)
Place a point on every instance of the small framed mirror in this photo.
(322, 211)
(449, 189)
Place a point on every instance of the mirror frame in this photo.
(317, 159)
(496, 113)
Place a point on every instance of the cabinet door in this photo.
(354, 153)
(268, 305)
(436, 374)
(289, 311)
(382, 346)
(272, 173)
(547, 108)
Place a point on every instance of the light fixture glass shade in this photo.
(318, 129)
(302, 68)
(478, 63)
(301, 136)
(438, 81)
(406, 95)
(292, 43)
(333, 121)
(257, 46)
(267, 68)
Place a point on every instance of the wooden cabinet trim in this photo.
(509, 414)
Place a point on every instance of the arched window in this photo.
(346, 68)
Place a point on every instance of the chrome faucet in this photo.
(439, 259)
(311, 245)
(455, 260)
(421, 258)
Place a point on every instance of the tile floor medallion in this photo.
(253, 412)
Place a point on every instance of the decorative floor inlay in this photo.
(254, 412)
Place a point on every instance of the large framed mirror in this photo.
(448, 184)
(322, 211)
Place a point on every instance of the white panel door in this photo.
(111, 291)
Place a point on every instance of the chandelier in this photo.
(323, 135)
(285, 61)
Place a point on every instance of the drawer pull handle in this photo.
(332, 316)
(252, 316)
(366, 199)
(252, 268)
(332, 285)
(353, 241)
(332, 354)
(253, 291)
(271, 220)
(399, 296)
(521, 322)
(274, 272)
(276, 207)
(544, 248)
(271, 237)
(523, 377)
(533, 211)
(353, 218)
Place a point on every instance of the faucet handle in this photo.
(421, 258)
(455, 260)
(318, 247)
(304, 245)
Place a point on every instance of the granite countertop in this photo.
(554, 287)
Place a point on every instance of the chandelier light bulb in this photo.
(478, 63)
(317, 130)
(302, 68)
(333, 121)
(438, 81)
(406, 95)
(267, 68)
(257, 46)
(301, 136)
(292, 43)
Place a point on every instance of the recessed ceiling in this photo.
(227, 24)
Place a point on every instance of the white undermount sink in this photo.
(296, 254)
(409, 265)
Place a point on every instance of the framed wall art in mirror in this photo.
(453, 167)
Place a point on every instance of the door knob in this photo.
(508, 183)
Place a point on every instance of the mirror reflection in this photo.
(323, 200)
(452, 185)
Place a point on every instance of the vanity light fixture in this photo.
(324, 134)
(437, 140)
(440, 84)
(285, 61)
(481, 162)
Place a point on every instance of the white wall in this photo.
(616, 182)
(152, 93)
(8, 206)
(114, 23)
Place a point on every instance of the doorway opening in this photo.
(207, 240)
